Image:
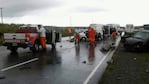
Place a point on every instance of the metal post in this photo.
(1, 15)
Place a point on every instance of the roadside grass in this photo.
(127, 68)
(144, 66)
(0, 40)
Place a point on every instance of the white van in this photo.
(108, 29)
(99, 30)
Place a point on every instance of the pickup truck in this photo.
(28, 36)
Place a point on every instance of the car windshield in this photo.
(142, 35)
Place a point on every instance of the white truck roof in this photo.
(97, 27)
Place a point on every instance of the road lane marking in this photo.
(20, 64)
(95, 69)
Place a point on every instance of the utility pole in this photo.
(1, 15)
(92, 20)
(70, 21)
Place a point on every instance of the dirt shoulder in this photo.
(127, 68)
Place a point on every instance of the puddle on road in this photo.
(50, 57)
(2, 76)
(25, 68)
(91, 56)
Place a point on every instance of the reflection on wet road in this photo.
(77, 49)
(91, 55)
(50, 57)
(67, 64)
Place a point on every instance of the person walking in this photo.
(77, 38)
(42, 32)
(70, 32)
(91, 35)
(114, 36)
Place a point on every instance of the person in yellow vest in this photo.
(42, 32)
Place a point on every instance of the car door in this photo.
(147, 40)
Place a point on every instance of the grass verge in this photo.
(127, 68)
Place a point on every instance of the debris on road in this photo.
(110, 61)
(134, 59)
(147, 69)
(61, 46)
(24, 68)
(119, 78)
(2, 76)
(84, 62)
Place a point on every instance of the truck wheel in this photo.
(83, 39)
(35, 47)
(53, 45)
(13, 49)
(138, 46)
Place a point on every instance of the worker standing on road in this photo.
(69, 32)
(91, 35)
(42, 36)
(114, 35)
(77, 38)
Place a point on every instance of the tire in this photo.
(13, 49)
(99, 37)
(53, 45)
(83, 39)
(35, 47)
(138, 47)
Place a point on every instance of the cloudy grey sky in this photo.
(75, 12)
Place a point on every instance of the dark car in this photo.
(139, 41)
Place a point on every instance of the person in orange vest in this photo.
(77, 38)
(69, 32)
(91, 35)
(42, 32)
(114, 35)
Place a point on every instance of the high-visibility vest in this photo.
(114, 34)
(69, 30)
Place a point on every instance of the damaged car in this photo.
(138, 42)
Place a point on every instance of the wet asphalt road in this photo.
(67, 64)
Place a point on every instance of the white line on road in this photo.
(20, 64)
(14, 66)
(95, 69)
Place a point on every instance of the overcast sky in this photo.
(75, 12)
